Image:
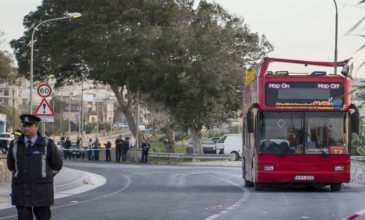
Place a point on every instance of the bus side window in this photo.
(247, 139)
(244, 135)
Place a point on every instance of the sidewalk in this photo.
(67, 183)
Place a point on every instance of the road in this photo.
(164, 192)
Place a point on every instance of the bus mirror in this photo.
(346, 70)
(355, 118)
(250, 122)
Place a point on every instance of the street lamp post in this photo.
(69, 111)
(68, 16)
(336, 34)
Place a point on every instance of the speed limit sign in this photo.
(44, 90)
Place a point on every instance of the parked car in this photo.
(215, 139)
(74, 151)
(230, 144)
(208, 145)
(121, 125)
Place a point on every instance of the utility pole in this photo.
(336, 34)
(82, 111)
(61, 110)
(69, 111)
(137, 129)
(14, 111)
(97, 111)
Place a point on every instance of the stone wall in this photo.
(4, 172)
(358, 169)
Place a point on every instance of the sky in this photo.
(298, 29)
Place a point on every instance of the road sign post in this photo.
(44, 110)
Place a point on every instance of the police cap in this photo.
(29, 119)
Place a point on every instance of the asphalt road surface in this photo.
(162, 192)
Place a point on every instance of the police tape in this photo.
(99, 149)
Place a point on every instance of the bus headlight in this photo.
(339, 168)
(269, 168)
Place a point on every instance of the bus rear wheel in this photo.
(335, 187)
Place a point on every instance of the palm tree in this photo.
(357, 26)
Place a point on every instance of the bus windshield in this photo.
(302, 133)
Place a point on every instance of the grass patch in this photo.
(158, 146)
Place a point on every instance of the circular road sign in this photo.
(44, 90)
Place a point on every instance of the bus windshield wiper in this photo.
(324, 153)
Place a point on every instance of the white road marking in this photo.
(235, 205)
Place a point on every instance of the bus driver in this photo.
(294, 141)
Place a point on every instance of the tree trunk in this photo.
(196, 137)
(170, 141)
(127, 109)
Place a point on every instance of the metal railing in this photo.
(190, 156)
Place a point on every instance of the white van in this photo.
(230, 144)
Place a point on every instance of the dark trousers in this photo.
(107, 155)
(40, 213)
(144, 156)
(117, 154)
(124, 155)
(90, 154)
(96, 155)
(65, 154)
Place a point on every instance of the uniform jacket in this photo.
(145, 146)
(33, 170)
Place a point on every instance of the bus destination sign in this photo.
(305, 95)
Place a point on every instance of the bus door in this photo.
(249, 151)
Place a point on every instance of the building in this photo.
(9, 95)
(93, 103)
(2, 123)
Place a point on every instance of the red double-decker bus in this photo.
(298, 119)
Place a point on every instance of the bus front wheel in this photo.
(259, 186)
(335, 187)
(248, 183)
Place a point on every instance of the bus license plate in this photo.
(303, 177)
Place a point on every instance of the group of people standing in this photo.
(121, 148)
(93, 149)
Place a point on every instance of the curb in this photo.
(88, 181)
(85, 179)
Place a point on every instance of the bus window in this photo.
(325, 133)
(280, 133)
(244, 135)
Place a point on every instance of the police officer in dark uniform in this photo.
(124, 149)
(33, 161)
(118, 148)
(145, 148)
